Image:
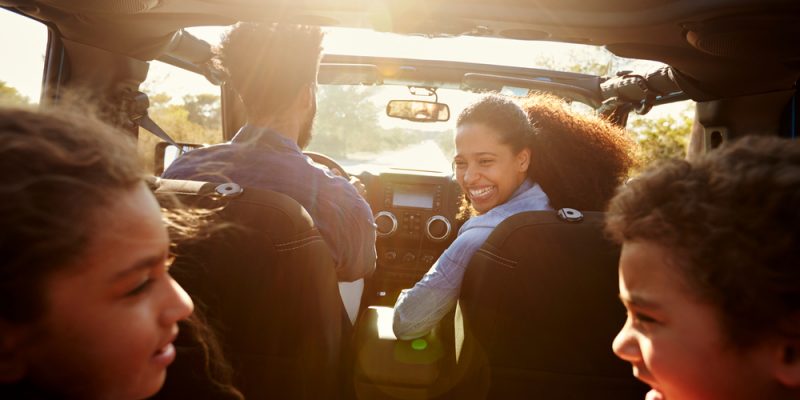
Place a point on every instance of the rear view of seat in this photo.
(540, 309)
(266, 283)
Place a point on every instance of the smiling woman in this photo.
(504, 157)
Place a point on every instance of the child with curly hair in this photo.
(710, 273)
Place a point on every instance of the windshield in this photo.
(351, 123)
(351, 126)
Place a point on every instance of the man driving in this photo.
(273, 68)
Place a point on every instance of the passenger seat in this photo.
(538, 311)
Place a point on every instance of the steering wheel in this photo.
(322, 159)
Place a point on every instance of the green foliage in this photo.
(347, 123)
(204, 110)
(584, 61)
(196, 120)
(11, 96)
(663, 137)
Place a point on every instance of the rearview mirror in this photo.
(418, 111)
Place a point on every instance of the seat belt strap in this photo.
(151, 126)
(136, 104)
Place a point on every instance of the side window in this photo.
(184, 104)
(23, 58)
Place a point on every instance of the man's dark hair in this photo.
(269, 64)
(731, 221)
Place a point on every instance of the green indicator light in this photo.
(419, 344)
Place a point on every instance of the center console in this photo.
(415, 213)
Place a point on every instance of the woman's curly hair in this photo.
(578, 160)
(731, 222)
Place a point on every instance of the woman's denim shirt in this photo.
(420, 308)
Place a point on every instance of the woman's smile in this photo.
(481, 193)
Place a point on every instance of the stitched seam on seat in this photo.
(314, 239)
(504, 261)
(310, 238)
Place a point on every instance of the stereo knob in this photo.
(386, 222)
(437, 228)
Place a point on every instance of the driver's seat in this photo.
(265, 281)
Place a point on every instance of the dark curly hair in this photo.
(578, 160)
(268, 64)
(731, 221)
(504, 116)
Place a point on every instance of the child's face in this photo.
(675, 343)
(112, 316)
(487, 170)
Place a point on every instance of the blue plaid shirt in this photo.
(420, 308)
(263, 159)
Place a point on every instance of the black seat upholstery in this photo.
(540, 309)
(267, 285)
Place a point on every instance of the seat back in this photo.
(540, 309)
(266, 283)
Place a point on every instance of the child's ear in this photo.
(13, 365)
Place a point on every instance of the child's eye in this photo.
(153, 275)
(141, 288)
(460, 164)
(642, 319)
(485, 161)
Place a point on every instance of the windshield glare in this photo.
(351, 123)
(352, 126)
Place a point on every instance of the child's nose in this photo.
(626, 345)
(180, 305)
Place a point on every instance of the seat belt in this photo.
(136, 104)
(151, 126)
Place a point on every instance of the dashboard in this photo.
(415, 213)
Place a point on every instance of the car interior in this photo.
(539, 305)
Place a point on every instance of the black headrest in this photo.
(540, 301)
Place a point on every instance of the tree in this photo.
(190, 122)
(204, 110)
(584, 61)
(664, 137)
(346, 121)
(11, 96)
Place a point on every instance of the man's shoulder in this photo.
(241, 156)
